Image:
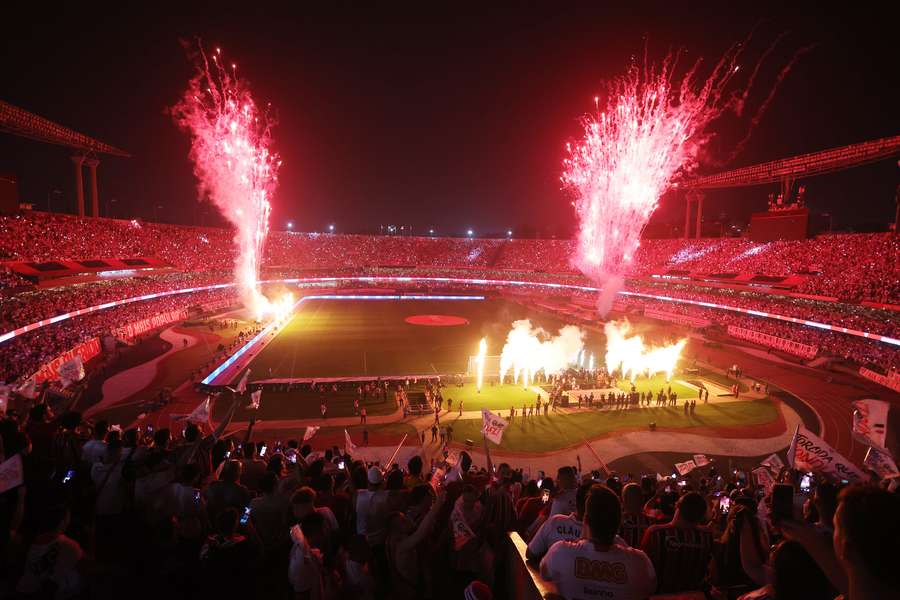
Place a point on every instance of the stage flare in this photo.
(529, 350)
(629, 354)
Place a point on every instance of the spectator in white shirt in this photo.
(595, 566)
(564, 499)
(95, 448)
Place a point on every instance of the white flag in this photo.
(492, 426)
(11, 474)
(882, 463)
(764, 478)
(686, 467)
(201, 413)
(701, 460)
(310, 432)
(28, 389)
(773, 462)
(254, 399)
(71, 371)
(870, 421)
(349, 446)
(809, 452)
(242, 384)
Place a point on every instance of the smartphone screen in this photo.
(197, 496)
(540, 482)
(246, 516)
(724, 504)
(340, 465)
(262, 450)
(293, 458)
(69, 474)
(545, 496)
(805, 483)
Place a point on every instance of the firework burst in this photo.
(233, 161)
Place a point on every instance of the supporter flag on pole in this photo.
(870, 422)
(28, 389)
(462, 533)
(774, 463)
(685, 467)
(492, 426)
(764, 478)
(71, 371)
(809, 452)
(881, 462)
(254, 400)
(201, 413)
(11, 474)
(349, 446)
(242, 384)
(701, 460)
(310, 432)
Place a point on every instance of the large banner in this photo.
(870, 421)
(678, 319)
(891, 380)
(809, 452)
(791, 347)
(132, 330)
(86, 350)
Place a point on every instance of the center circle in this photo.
(436, 320)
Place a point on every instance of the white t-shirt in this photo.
(555, 529)
(581, 572)
(305, 566)
(370, 507)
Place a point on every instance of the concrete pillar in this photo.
(95, 201)
(78, 161)
(699, 213)
(687, 215)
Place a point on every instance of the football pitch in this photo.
(371, 338)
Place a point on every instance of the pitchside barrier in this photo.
(491, 366)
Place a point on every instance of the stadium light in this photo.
(431, 231)
(290, 225)
(509, 233)
(470, 233)
(331, 228)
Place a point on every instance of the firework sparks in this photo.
(230, 149)
(648, 132)
(631, 357)
(529, 350)
(482, 352)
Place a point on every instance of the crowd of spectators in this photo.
(23, 355)
(851, 267)
(184, 514)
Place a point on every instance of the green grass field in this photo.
(544, 434)
(656, 383)
(359, 338)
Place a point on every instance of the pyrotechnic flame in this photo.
(649, 132)
(630, 356)
(230, 148)
(530, 350)
(482, 352)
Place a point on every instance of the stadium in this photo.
(349, 399)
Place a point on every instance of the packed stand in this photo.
(188, 514)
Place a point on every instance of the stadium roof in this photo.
(805, 165)
(18, 121)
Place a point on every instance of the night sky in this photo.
(448, 118)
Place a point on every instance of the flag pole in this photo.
(597, 456)
(394, 455)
